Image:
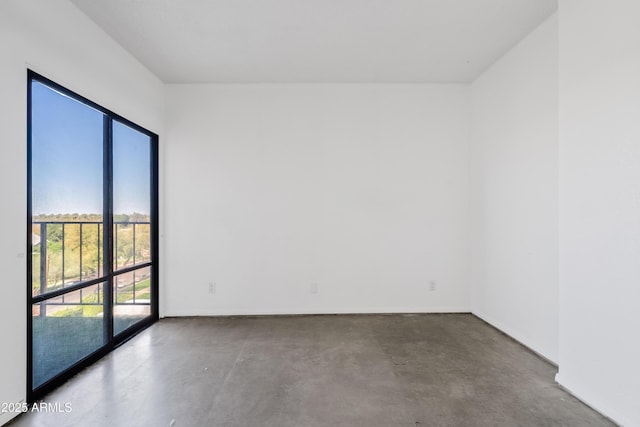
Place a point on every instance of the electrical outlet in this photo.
(313, 288)
(212, 288)
(432, 285)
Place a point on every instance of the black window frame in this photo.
(109, 273)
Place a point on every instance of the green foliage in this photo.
(142, 285)
(80, 311)
(80, 246)
(125, 293)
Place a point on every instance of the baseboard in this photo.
(596, 406)
(514, 335)
(311, 311)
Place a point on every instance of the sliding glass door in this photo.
(92, 213)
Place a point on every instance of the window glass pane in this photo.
(131, 196)
(91, 237)
(65, 330)
(36, 257)
(131, 172)
(67, 189)
(132, 243)
(71, 253)
(51, 273)
(143, 242)
(66, 154)
(131, 296)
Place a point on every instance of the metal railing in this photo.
(60, 266)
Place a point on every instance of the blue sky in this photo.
(131, 166)
(67, 158)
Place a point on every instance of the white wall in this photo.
(360, 188)
(514, 175)
(53, 38)
(600, 204)
(365, 190)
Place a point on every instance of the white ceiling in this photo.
(263, 41)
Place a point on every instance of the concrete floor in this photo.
(369, 370)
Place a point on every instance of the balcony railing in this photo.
(68, 264)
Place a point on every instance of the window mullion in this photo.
(108, 229)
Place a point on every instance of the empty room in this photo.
(320, 213)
